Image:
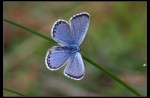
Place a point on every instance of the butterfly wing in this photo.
(79, 24)
(75, 67)
(56, 57)
(61, 32)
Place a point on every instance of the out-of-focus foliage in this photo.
(116, 39)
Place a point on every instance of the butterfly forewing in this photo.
(79, 24)
(61, 32)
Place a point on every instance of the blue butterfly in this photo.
(69, 36)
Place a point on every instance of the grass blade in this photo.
(27, 29)
(112, 76)
(15, 92)
(85, 58)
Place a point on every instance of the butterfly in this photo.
(69, 36)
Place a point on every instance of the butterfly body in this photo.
(67, 48)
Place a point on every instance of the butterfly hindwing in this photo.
(75, 67)
(56, 57)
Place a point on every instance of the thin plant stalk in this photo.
(15, 92)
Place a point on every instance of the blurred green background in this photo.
(116, 39)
